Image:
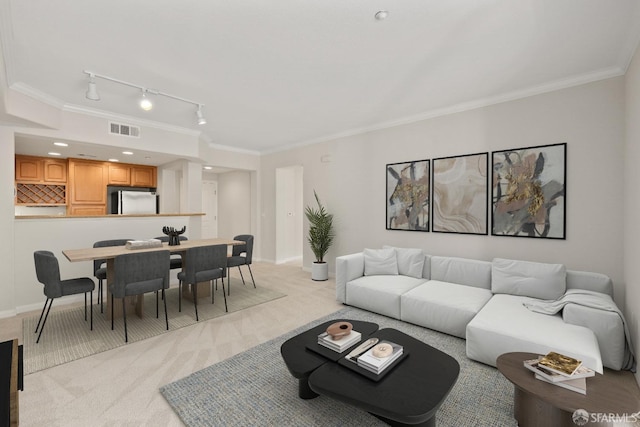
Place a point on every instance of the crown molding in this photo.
(466, 106)
(234, 149)
(36, 94)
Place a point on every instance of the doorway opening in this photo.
(210, 208)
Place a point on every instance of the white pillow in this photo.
(530, 279)
(410, 261)
(380, 262)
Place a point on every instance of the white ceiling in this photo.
(279, 73)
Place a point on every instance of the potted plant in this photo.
(320, 238)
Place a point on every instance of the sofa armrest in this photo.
(607, 327)
(348, 267)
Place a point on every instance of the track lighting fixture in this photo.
(145, 102)
(92, 91)
(200, 116)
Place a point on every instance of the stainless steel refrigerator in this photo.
(134, 202)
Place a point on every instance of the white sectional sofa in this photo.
(484, 302)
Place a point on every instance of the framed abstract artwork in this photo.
(528, 192)
(408, 196)
(460, 194)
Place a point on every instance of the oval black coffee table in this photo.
(410, 394)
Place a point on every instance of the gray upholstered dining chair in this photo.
(48, 273)
(100, 266)
(138, 273)
(203, 264)
(176, 259)
(241, 255)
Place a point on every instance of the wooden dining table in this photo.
(109, 253)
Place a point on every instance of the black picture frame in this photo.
(460, 194)
(528, 192)
(407, 195)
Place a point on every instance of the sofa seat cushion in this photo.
(505, 325)
(442, 306)
(380, 294)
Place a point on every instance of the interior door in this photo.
(210, 208)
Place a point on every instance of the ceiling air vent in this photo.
(126, 130)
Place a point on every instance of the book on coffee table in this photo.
(380, 356)
(342, 343)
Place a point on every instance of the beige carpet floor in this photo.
(67, 336)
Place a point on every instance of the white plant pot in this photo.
(320, 271)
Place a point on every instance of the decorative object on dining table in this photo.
(173, 234)
(143, 244)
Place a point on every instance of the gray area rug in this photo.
(67, 336)
(255, 388)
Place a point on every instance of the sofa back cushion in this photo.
(530, 279)
(410, 261)
(380, 262)
(469, 272)
(590, 281)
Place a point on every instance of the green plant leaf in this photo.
(321, 232)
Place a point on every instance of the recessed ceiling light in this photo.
(208, 167)
(128, 153)
(114, 160)
(61, 144)
(381, 15)
(53, 153)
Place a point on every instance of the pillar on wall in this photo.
(191, 195)
(7, 213)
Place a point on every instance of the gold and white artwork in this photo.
(460, 194)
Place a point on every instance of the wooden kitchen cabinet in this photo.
(119, 174)
(143, 176)
(87, 187)
(132, 175)
(40, 181)
(29, 169)
(87, 210)
(55, 171)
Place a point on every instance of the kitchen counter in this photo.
(107, 216)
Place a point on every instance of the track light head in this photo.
(200, 116)
(92, 90)
(145, 103)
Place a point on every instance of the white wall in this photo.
(351, 180)
(632, 202)
(234, 204)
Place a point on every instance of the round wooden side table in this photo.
(611, 399)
